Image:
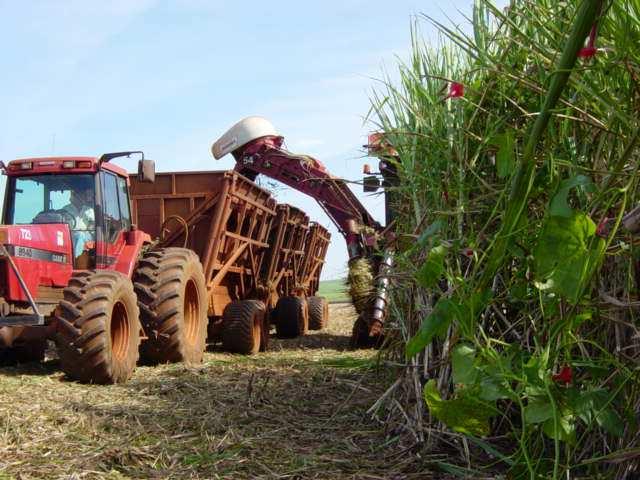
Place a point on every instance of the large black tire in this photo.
(364, 336)
(243, 326)
(172, 297)
(318, 313)
(291, 317)
(359, 334)
(102, 344)
(28, 352)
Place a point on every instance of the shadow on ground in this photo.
(37, 369)
(315, 340)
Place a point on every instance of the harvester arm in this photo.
(257, 149)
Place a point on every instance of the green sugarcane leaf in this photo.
(432, 269)
(505, 157)
(464, 413)
(435, 324)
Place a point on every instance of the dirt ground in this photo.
(297, 411)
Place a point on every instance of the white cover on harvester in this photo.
(243, 132)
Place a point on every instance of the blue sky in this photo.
(85, 77)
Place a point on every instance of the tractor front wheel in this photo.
(99, 332)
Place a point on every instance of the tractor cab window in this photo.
(123, 198)
(41, 199)
(112, 219)
(28, 199)
(115, 198)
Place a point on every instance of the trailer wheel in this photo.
(172, 294)
(243, 326)
(292, 318)
(99, 331)
(318, 313)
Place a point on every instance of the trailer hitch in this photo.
(35, 319)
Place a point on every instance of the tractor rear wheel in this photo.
(243, 326)
(292, 317)
(99, 332)
(172, 297)
(318, 313)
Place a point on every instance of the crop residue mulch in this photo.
(297, 411)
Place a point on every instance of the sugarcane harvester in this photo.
(257, 148)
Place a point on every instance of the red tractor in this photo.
(75, 269)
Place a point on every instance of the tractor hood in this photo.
(42, 256)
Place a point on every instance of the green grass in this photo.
(334, 290)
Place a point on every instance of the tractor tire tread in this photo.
(292, 320)
(318, 313)
(85, 354)
(159, 282)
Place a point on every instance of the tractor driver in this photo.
(80, 207)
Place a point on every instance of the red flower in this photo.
(455, 90)
(587, 52)
(602, 228)
(445, 194)
(564, 376)
(590, 50)
(468, 252)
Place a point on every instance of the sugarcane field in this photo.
(335, 240)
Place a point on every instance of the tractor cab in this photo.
(63, 214)
(66, 199)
